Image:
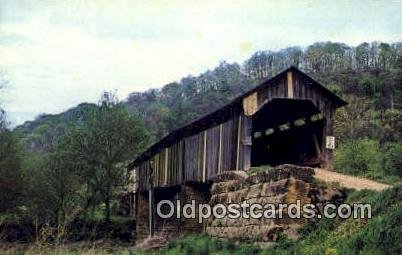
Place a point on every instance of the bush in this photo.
(380, 235)
(359, 157)
(204, 245)
(392, 159)
(366, 157)
(383, 233)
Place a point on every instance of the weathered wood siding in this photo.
(302, 87)
(225, 143)
(198, 158)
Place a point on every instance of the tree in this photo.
(101, 146)
(10, 172)
(64, 183)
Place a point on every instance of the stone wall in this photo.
(142, 225)
(282, 184)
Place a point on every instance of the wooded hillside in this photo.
(368, 75)
(70, 167)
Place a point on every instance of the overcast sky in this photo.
(57, 54)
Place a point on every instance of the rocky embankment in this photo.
(282, 184)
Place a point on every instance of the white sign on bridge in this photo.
(330, 142)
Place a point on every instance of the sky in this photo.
(56, 54)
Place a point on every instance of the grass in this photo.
(380, 235)
(258, 169)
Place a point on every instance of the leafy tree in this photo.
(100, 147)
(10, 172)
(391, 160)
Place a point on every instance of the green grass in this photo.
(370, 159)
(380, 235)
(258, 169)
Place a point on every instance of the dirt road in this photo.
(348, 181)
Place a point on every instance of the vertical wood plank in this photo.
(166, 165)
(220, 149)
(204, 159)
(238, 142)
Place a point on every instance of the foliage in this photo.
(82, 169)
(65, 167)
(203, 245)
(97, 148)
(10, 168)
(368, 76)
(380, 235)
(258, 169)
(392, 160)
(368, 158)
(10, 171)
(358, 157)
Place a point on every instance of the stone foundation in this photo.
(282, 184)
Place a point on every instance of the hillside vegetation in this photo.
(64, 172)
(380, 235)
(368, 77)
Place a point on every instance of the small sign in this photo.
(330, 142)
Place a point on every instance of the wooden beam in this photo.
(290, 84)
(220, 148)
(183, 163)
(250, 104)
(151, 210)
(238, 143)
(166, 164)
(204, 160)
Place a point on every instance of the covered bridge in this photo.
(286, 119)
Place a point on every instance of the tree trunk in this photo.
(107, 209)
(107, 202)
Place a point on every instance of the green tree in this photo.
(10, 171)
(100, 147)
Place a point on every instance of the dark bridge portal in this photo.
(287, 131)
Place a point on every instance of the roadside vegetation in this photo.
(62, 177)
(380, 235)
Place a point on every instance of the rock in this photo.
(254, 191)
(282, 172)
(281, 184)
(271, 232)
(227, 186)
(230, 176)
(274, 188)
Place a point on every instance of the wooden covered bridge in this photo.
(286, 119)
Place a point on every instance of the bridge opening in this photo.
(287, 131)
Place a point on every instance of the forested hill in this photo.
(368, 76)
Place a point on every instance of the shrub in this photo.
(392, 159)
(366, 157)
(359, 157)
(203, 245)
